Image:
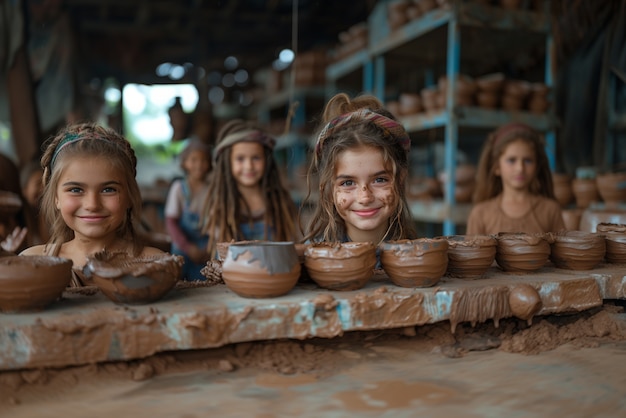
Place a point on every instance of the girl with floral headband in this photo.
(361, 161)
(91, 199)
(514, 191)
(246, 198)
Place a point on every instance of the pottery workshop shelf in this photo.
(84, 327)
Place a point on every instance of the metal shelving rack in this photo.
(416, 42)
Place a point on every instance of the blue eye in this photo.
(347, 183)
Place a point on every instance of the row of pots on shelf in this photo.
(608, 187)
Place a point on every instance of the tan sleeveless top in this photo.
(78, 279)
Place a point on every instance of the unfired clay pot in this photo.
(562, 188)
(612, 188)
(521, 252)
(577, 250)
(30, 283)
(415, 263)
(263, 269)
(615, 237)
(585, 191)
(133, 280)
(470, 256)
(340, 266)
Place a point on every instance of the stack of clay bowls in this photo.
(612, 188)
(615, 237)
(410, 104)
(470, 256)
(341, 265)
(132, 280)
(521, 252)
(465, 182)
(515, 95)
(430, 100)
(415, 263)
(465, 89)
(261, 269)
(30, 283)
(538, 99)
(577, 250)
(489, 90)
(351, 41)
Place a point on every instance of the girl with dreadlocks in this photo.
(91, 199)
(246, 198)
(361, 160)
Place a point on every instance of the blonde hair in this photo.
(89, 140)
(225, 207)
(488, 184)
(326, 224)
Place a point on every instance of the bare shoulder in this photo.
(34, 250)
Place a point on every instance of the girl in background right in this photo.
(246, 198)
(361, 160)
(514, 191)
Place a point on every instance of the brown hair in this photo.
(89, 140)
(488, 184)
(326, 224)
(225, 207)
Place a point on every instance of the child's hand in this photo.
(14, 240)
(198, 255)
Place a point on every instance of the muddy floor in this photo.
(568, 365)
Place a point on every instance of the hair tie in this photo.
(252, 135)
(391, 128)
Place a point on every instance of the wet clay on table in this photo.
(525, 301)
(577, 250)
(415, 263)
(522, 253)
(261, 269)
(470, 256)
(133, 280)
(30, 283)
(340, 265)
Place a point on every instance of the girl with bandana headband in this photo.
(514, 191)
(91, 199)
(361, 161)
(246, 198)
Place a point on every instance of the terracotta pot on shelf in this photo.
(512, 103)
(585, 192)
(487, 99)
(538, 105)
(410, 103)
(562, 188)
(612, 188)
(491, 82)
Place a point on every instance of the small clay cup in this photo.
(562, 188)
(521, 252)
(577, 250)
(261, 269)
(340, 265)
(470, 256)
(32, 282)
(129, 280)
(612, 188)
(615, 236)
(585, 192)
(415, 263)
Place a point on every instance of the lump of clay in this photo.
(524, 301)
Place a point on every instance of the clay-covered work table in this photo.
(88, 328)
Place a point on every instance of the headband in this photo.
(67, 139)
(391, 128)
(251, 135)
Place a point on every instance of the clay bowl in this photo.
(562, 188)
(470, 256)
(612, 187)
(577, 250)
(340, 265)
(615, 237)
(133, 280)
(261, 269)
(522, 253)
(32, 282)
(415, 263)
(585, 191)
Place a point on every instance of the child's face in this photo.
(517, 166)
(196, 165)
(92, 198)
(247, 162)
(363, 192)
(34, 188)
